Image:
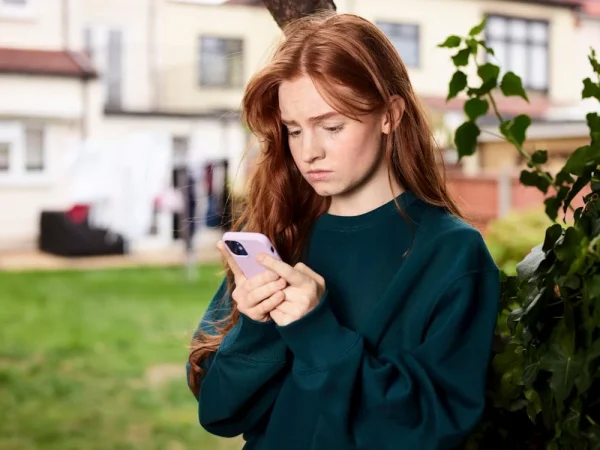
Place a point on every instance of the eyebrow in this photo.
(313, 120)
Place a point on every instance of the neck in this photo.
(370, 194)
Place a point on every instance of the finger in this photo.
(230, 261)
(287, 308)
(303, 268)
(284, 270)
(268, 305)
(263, 292)
(279, 318)
(261, 279)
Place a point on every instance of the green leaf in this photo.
(582, 182)
(451, 42)
(519, 127)
(527, 267)
(511, 85)
(552, 234)
(462, 57)
(540, 156)
(594, 287)
(590, 89)
(488, 71)
(485, 87)
(572, 249)
(581, 158)
(476, 108)
(472, 44)
(457, 84)
(534, 179)
(564, 177)
(552, 204)
(478, 28)
(593, 122)
(490, 50)
(560, 360)
(515, 129)
(534, 407)
(594, 62)
(465, 139)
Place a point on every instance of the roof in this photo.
(591, 7)
(245, 2)
(61, 63)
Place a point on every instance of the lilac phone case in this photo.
(254, 243)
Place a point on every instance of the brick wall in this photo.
(480, 197)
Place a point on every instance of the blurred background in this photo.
(120, 144)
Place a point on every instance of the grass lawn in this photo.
(96, 360)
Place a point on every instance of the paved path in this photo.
(36, 260)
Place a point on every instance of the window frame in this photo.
(418, 30)
(15, 134)
(229, 83)
(529, 44)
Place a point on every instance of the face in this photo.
(337, 155)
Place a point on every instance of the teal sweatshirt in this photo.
(394, 356)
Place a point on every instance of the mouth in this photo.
(318, 175)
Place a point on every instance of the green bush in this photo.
(544, 385)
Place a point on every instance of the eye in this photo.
(293, 133)
(335, 129)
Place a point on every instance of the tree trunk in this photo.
(284, 11)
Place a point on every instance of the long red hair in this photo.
(341, 53)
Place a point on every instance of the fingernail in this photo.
(260, 257)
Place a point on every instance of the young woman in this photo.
(375, 333)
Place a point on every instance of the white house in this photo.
(77, 73)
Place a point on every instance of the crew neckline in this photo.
(332, 221)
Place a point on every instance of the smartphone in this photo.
(245, 247)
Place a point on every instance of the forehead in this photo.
(300, 99)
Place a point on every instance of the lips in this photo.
(318, 175)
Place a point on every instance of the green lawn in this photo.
(96, 360)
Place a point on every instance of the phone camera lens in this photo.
(236, 248)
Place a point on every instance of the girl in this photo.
(375, 333)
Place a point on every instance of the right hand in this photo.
(258, 296)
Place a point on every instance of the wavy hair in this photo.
(341, 53)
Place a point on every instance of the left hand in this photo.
(303, 293)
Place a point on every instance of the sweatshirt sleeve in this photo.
(243, 378)
(428, 398)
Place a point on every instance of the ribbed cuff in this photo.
(317, 339)
(255, 341)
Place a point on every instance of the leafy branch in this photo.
(514, 131)
(545, 377)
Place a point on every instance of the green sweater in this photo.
(394, 357)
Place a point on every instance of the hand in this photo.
(258, 296)
(304, 291)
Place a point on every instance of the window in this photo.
(221, 62)
(405, 38)
(114, 69)
(22, 151)
(88, 42)
(34, 149)
(4, 156)
(180, 145)
(520, 46)
(104, 46)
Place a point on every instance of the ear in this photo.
(391, 119)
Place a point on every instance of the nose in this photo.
(311, 149)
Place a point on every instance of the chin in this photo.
(327, 191)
